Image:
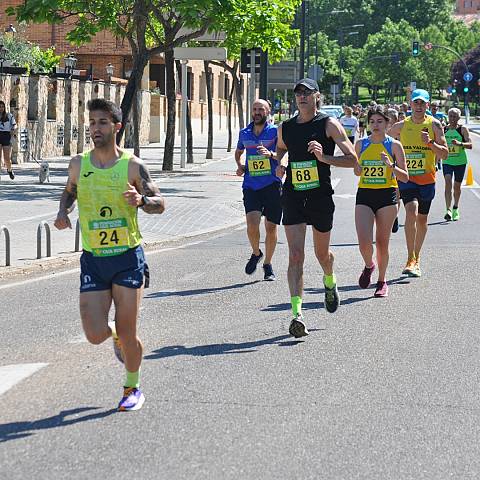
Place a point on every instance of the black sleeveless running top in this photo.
(296, 137)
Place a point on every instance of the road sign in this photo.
(245, 59)
(200, 53)
(206, 37)
(315, 72)
(467, 76)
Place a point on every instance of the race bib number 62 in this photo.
(258, 165)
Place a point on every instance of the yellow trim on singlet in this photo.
(419, 157)
(375, 174)
(109, 225)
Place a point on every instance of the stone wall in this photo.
(84, 95)
(52, 115)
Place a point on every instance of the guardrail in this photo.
(5, 231)
(39, 239)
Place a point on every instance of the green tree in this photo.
(435, 64)
(394, 37)
(25, 54)
(151, 27)
(372, 13)
(257, 24)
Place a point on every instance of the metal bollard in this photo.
(39, 239)
(77, 236)
(5, 231)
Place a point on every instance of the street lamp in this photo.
(109, 68)
(341, 34)
(3, 56)
(303, 32)
(70, 64)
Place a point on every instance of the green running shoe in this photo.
(455, 214)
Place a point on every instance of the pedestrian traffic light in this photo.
(415, 49)
(465, 89)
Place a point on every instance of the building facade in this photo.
(106, 49)
(468, 10)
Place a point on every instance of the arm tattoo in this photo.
(155, 202)
(68, 198)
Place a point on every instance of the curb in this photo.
(53, 264)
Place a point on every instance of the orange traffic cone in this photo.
(469, 180)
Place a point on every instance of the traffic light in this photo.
(465, 89)
(454, 90)
(415, 49)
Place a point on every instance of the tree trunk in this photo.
(229, 119)
(171, 111)
(136, 125)
(189, 118)
(209, 154)
(189, 134)
(233, 70)
(140, 61)
(238, 95)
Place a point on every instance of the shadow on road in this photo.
(199, 291)
(17, 430)
(279, 307)
(219, 348)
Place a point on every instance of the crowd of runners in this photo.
(286, 172)
(395, 150)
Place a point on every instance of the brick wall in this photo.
(464, 7)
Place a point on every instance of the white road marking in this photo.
(39, 279)
(24, 219)
(51, 276)
(10, 375)
(476, 193)
(79, 339)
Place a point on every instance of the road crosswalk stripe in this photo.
(10, 375)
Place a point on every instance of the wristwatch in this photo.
(144, 201)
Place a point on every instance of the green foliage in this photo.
(260, 23)
(372, 13)
(22, 53)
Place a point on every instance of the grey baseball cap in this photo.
(309, 83)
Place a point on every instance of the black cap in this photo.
(309, 83)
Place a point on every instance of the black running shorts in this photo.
(376, 198)
(316, 210)
(266, 201)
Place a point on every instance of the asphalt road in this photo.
(382, 389)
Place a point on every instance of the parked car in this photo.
(332, 110)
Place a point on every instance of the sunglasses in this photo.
(304, 93)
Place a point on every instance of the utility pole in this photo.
(302, 38)
(341, 40)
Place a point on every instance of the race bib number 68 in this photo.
(305, 175)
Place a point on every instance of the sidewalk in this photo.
(203, 197)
